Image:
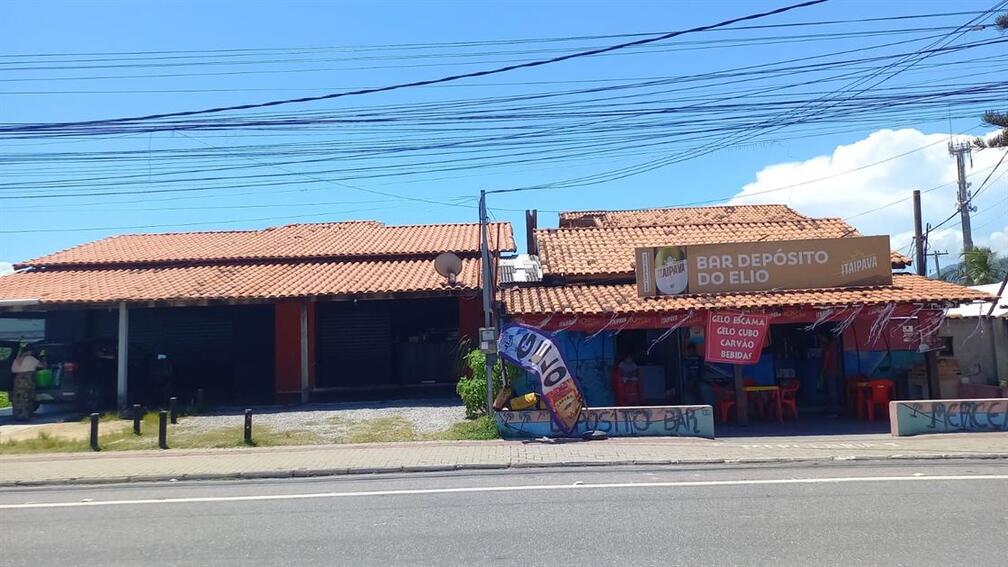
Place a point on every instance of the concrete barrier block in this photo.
(638, 421)
(917, 417)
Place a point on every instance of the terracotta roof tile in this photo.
(297, 241)
(899, 260)
(237, 282)
(679, 216)
(622, 299)
(608, 251)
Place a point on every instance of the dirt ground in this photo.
(71, 431)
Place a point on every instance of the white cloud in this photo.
(998, 240)
(827, 191)
(6, 268)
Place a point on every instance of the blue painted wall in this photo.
(948, 416)
(880, 363)
(649, 421)
(590, 358)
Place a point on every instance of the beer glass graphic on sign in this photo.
(671, 276)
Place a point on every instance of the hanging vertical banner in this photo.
(735, 338)
(535, 351)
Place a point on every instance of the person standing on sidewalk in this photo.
(23, 392)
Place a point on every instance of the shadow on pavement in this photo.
(811, 426)
(47, 413)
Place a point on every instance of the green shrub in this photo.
(472, 387)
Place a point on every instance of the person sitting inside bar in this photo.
(693, 365)
(628, 382)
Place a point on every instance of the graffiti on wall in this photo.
(678, 421)
(950, 416)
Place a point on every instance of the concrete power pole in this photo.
(937, 253)
(921, 260)
(960, 151)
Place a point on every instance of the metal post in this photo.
(162, 434)
(122, 357)
(94, 432)
(741, 404)
(921, 259)
(173, 409)
(1000, 294)
(960, 151)
(936, 254)
(304, 352)
(487, 282)
(200, 399)
(933, 378)
(137, 414)
(248, 426)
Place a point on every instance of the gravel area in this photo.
(332, 421)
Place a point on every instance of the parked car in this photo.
(85, 373)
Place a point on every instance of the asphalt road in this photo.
(907, 514)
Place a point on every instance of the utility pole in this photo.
(919, 235)
(930, 357)
(937, 253)
(487, 346)
(960, 151)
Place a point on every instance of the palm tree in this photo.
(995, 118)
(1000, 140)
(980, 266)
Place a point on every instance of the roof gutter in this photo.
(18, 302)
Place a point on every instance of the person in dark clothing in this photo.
(831, 372)
(693, 365)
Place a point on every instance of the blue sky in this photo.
(39, 89)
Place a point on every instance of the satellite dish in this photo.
(448, 265)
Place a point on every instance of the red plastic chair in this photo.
(789, 396)
(627, 391)
(725, 400)
(881, 395)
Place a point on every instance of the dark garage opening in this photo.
(369, 348)
(226, 350)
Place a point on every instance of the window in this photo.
(946, 347)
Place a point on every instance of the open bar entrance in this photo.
(808, 378)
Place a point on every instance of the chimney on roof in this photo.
(531, 222)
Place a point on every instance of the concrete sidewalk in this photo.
(326, 460)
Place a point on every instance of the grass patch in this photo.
(4, 399)
(479, 429)
(44, 443)
(397, 429)
(381, 430)
(178, 438)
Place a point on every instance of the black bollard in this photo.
(137, 415)
(173, 409)
(200, 399)
(162, 434)
(94, 432)
(248, 427)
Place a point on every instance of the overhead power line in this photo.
(450, 78)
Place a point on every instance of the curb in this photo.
(347, 471)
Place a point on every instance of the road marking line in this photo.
(520, 488)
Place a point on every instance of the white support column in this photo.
(122, 357)
(304, 353)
